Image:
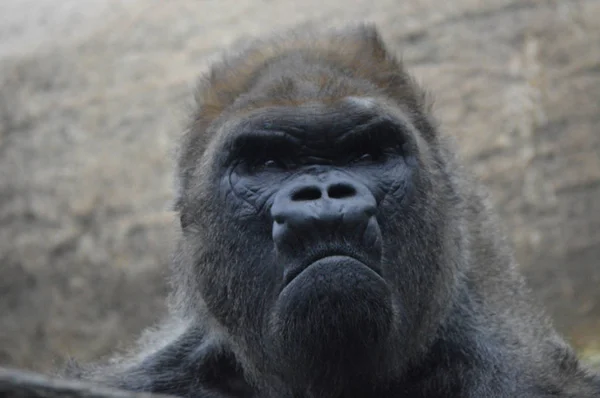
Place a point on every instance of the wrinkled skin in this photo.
(332, 246)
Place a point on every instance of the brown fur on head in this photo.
(352, 62)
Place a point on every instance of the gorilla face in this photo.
(314, 182)
(327, 199)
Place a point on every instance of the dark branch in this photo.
(21, 384)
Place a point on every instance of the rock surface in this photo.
(94, 94)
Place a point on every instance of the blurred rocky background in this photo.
(94, 93)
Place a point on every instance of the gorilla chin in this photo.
(334, 313)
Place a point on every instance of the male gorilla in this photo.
(333, 247)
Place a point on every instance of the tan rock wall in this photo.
(94, 94)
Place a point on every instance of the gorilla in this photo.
(332, 246)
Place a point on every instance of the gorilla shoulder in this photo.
(332, 247)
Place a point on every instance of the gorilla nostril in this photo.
(307, 193)
(340, 191)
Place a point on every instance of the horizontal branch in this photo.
(23, 384)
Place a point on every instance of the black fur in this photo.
(333, 247)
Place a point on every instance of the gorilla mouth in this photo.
(317, 260)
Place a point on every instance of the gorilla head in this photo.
(332, 247)
(315, 219)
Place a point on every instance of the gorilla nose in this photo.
(334, 191)
(313, 209)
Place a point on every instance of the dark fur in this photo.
(463, 324)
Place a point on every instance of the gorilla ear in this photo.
(177, 205)
(184, 220)
(177, 202)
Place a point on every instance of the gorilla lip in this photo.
(290, 275)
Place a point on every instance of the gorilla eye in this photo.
(261, 164)
(272, 164)
(367, 157)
